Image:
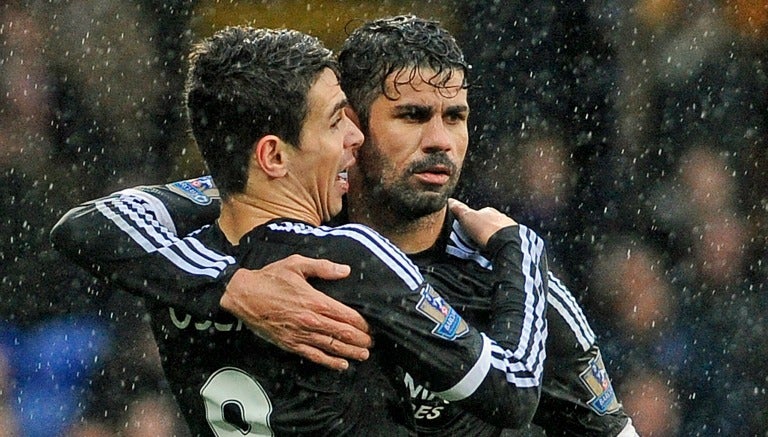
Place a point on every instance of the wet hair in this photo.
(403, 44)
(245, 83)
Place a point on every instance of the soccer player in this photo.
(268, 115)
(405, 172)
(400, 187)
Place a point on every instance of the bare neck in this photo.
(240, 213)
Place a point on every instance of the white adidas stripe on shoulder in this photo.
(155, 206)
(561, 299)
(395, 259)
(144, 219)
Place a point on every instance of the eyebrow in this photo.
(430, 108)
(341, 104)
(457, 108)
(413, 107)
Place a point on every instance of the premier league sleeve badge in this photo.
(450, 325)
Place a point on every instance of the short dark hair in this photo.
(245, 83)
(384, 46)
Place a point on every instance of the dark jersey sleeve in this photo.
(498, 381)
(577, 395)
(519, 300)
(130, 239)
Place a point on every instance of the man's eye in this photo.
(456, 117)
(414, 115)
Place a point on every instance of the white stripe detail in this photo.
(561, 299)
(629, 430)
(472, 380)
(534, 323)
(527, 373)
(213, 263)
(378, 245)
(505, 364)
(463, 251)
(191, 248)
(155, 205)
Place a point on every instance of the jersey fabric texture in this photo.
(577, 398)
(577, 395)
(130, 239)
(225, 378)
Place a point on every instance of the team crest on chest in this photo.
(596, 379)
(200, 190)
(450, 325)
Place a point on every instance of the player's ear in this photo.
(269, 154)
(352, 115)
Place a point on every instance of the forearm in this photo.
(516, 257)
(507, 397)
(520, 298)
(129, 239)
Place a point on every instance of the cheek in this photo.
(462, 142)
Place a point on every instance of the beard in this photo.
(398, 193)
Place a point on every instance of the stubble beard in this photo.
(398, 200)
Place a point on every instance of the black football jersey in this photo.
(137, 238)
(207, 356)
(577, 395)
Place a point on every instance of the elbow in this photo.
(525, 410)
(518, 411)
(63, 235)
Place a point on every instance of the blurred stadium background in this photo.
(630, 133)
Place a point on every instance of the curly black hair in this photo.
(404, 44)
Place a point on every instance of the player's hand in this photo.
(480, 224)
(278, 304)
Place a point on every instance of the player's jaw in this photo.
(420, 189)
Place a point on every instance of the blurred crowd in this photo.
(631, 134)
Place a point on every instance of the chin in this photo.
(334, 211)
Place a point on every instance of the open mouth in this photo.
(341, 180)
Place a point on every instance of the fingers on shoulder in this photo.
(313, 267)
(458, 207)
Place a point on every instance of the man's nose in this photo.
(436, 136)
(354, 137)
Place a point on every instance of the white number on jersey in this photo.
(236, 405)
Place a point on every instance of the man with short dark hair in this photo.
(270, 119)
(394, 72)
(406, 171)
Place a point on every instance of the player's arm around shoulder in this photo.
(132, 238)
(433, 342)
(135, 221)
(518, 260)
